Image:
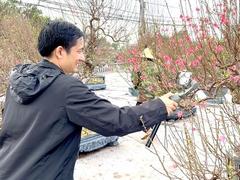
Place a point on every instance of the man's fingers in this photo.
(173, 107)
(168, 95)
(175, 104)
(169, 110)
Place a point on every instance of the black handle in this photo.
(175, 98)
(152, 135)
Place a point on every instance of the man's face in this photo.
(74, 57)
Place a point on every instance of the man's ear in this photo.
(60, 52)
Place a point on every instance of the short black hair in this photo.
(58, 33)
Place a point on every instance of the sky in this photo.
(124, 14)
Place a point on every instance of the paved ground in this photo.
(130, 160)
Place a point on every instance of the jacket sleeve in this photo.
(85, 109)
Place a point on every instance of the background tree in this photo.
(18, 36)
(101, 31)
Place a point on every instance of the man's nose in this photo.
(83, 58)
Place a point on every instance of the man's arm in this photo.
(86, 109)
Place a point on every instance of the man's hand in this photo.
(170, 104)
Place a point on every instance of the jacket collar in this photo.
(48, 64)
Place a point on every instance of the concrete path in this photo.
(129, 160)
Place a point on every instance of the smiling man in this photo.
(45, 110)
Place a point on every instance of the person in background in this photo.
(143, 79)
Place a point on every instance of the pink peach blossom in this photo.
(219, 49)
(179, 114)
(181, 63)
(197, 9)
(224, 19)
(222, 139)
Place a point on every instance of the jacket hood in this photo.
(28, 81)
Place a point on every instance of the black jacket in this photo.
(44, 113)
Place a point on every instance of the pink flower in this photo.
(194, 26)
(199, 46)
(222, 139)
(195, 63)
(215, 25)
(172, 167)
(180, 41)
(143, 77)
(185, 18)
(169, 85)
(219, 49)
(120, 58)
(179, 114)
(136, 68)
(233, 68)
(234, 12)
(188, 18)
(167, 59)
(224, 19)
(173, 70)
(17, 62)
(152, 88)
(199, 58)
(206, 20)
(181, 63)
(194, 129)
(235, 79)
(197, 9)
(190, 50)
(132, 60)
(204, 35)
(133, 51)
(225, 9)
(188, 38)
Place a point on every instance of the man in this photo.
(45, 110)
